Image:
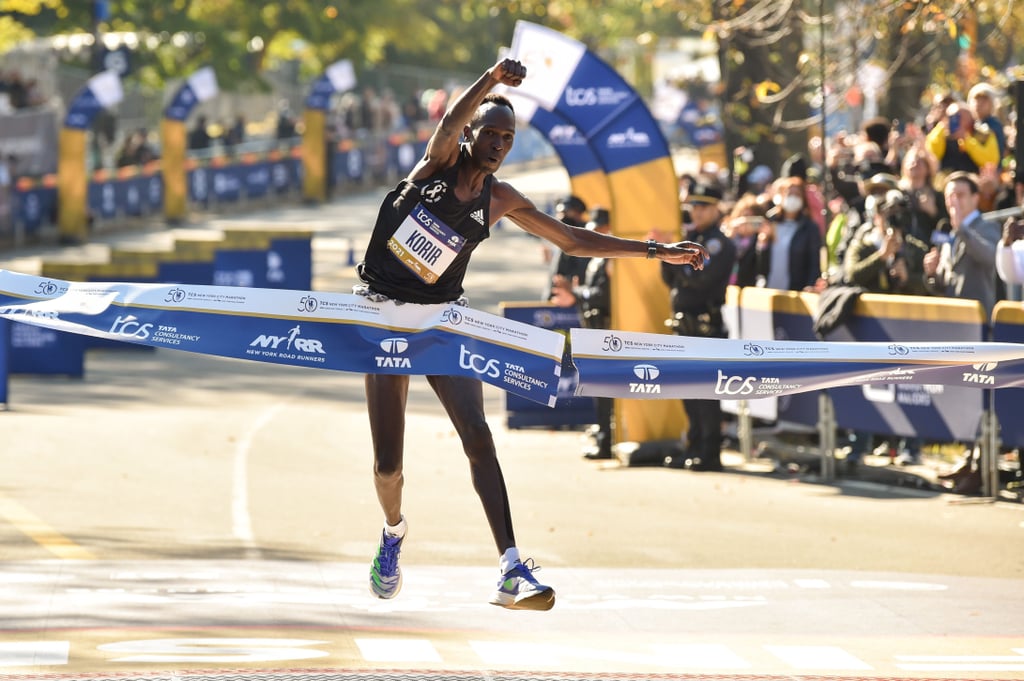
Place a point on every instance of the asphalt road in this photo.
(173, 512)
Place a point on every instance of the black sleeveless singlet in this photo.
(424, 237)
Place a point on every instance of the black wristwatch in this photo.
(652, 249)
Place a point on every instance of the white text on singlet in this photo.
(425, 245)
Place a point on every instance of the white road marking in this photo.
(241, 521)
(524, 655)
(699, 655)
(812, 584)
(897, 586)
(34, 653)
(955, 663)
(817, 657)
(397, 650)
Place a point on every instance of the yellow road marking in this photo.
(41, 533)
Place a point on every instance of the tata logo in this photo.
(580, 96)
(393, 347)
(982, 377)
(175, 295)
(478, 364)
(897, 349)
(752, 350)
(308, 304)
(646, 373)
(452, 316)
(734, 385)
(129, 326)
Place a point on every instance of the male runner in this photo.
(455, 183)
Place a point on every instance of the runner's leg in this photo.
(464, 401)
(385, 401)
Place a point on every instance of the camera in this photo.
(954, 122)
(896, 209)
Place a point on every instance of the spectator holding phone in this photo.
(961, 143)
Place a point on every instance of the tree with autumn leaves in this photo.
(775, 55)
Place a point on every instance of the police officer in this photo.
(572, 211)
(592, 297)
(697, 300)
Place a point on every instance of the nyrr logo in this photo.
(478, 364)
(561, 135)
(629, 138)
(734, 385)
(393, 347)
(175, 295)
(896, 349)
(291, 341)
(129, 327)
(646, 373)
(308, 304)
(981, 375)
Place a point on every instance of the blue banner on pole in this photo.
(285, 264)
(37, 350)
(256, 178)
(36, 207)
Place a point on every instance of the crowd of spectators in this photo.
(888, 208)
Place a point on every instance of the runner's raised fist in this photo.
(509, 72)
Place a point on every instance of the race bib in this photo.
(425, 245)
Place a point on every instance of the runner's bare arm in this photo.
(443, 146)
(507, 201)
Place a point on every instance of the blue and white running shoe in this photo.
(518, 589)
(385, 575)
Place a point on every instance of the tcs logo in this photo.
(734, 385)
(478, 363)
(130, 327)
(580, 96)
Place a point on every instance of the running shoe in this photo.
(520, 590)
(385, 575)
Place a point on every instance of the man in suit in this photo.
(963, 267)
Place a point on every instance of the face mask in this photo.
(792, 204)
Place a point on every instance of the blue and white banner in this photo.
(102, 91)
(337, 331)
(338, 77)
(199, 87)
(658, 366)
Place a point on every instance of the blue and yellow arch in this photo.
(617, 156)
